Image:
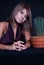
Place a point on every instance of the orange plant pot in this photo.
(37, 41)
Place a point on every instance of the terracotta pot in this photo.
(37, 41)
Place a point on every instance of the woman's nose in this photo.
(23, 17)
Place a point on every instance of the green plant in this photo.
(39, 26)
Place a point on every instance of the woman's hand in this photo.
(18, 46)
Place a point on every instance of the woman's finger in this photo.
(20, 42)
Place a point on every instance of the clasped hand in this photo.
(18, 46)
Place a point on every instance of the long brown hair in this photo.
(28, 23)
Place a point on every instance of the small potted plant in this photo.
(38, 40)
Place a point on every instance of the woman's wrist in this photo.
(27, 44)
(11, 47)
(8, 47)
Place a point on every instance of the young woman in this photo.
(15, 31)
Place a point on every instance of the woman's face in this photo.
(21, 16)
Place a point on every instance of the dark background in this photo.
(32, 55)
(6, 7)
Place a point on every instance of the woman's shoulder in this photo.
(3, 23)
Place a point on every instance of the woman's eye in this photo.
(22, 12)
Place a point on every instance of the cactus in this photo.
(39, 26)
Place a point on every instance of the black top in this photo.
(8, 38)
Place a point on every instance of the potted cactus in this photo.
(38, 40)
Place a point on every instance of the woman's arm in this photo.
(3, 25)
(27, 37)
(15, 46)
(2, 47)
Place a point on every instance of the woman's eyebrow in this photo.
(24, 12)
